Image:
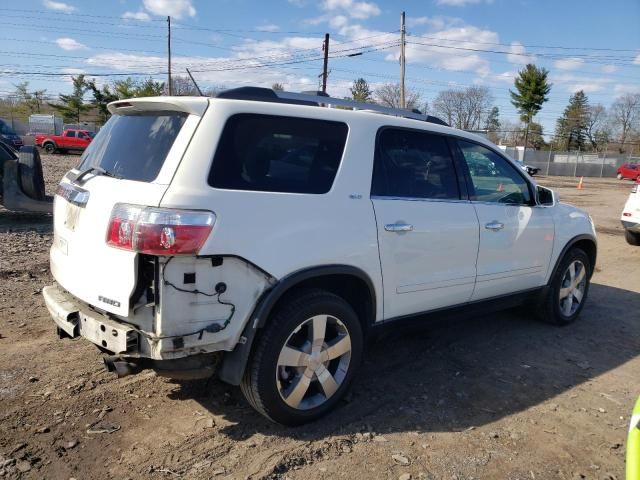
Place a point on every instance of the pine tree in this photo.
(73, 105)
(360, 91)
(277, 87)
(532, 89)
(571, 127)
(492, 124)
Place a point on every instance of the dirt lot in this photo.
(498, 396)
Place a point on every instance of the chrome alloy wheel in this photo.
(313, 362)
(572, 288)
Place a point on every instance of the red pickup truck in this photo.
(71, 139)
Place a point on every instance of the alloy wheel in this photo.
(313, 362)
(572, 288)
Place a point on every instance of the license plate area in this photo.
(108, 334)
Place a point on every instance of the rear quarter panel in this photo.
(282, 233)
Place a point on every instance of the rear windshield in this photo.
(278, 154)
(134, 147)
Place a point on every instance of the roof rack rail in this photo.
(261, 94)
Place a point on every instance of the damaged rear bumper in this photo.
(123, 342)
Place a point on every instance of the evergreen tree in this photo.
(531, 92)
(360, 91)
(492, 124)
(70, 107)
(277, 87)
(101, 98)
(571, 127)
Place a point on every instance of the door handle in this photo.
(398, 227)
(494, 226)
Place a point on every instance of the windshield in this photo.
(134, 147)
(6, 129)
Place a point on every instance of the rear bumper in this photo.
(76, 320)
(122, 341)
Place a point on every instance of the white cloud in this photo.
(339, 21)
(576, 82)
(360, 10)
(460, 3)
(621, 88)
(637, 60)
(173, 8)
(456, 60)
(364, 10)
(268, 28)
(568, 63)
(437, 22)
(58, 6)
(609, 69)
(142, 16)
(67, 43)
(73, 71)
(506, 77)
(517, 54)
(210, 71)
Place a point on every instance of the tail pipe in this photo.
(121, 367)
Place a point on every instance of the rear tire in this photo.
(567, 291)
(50, 148)
(30, 173)
(305, 359)
(632, 238)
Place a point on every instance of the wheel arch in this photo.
(585, 242)
(349, 282)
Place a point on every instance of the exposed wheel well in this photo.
(588, 247)
(354, 290)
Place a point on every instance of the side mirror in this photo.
(546, 196)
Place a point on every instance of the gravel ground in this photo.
(498, 396)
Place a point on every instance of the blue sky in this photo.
(590, 45)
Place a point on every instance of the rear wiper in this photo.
(96, 170)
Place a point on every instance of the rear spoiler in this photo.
(191, 105)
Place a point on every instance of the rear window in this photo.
(278, 154)
(134, 147)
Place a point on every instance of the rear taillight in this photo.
(159, 231)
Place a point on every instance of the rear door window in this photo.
(135, 146)
(278, 154)
(71, 134)
(414, 164)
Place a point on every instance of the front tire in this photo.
(50, 148)
(632, 238)
(567, 291)
(305, 359)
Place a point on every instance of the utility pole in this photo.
(325, 48)
(169, 54)
(403, 103)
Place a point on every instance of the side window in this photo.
(493, 178)
(278, 154)
(71, 134)
(413, 164)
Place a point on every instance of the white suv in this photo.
(264, 237)
(631, 216)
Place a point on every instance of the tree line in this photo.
(582, 125)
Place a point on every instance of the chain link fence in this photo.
(577, 164)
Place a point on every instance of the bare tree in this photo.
(389, 96)
(183, 86)
(597, 128)
(625, 114)
(465, 109)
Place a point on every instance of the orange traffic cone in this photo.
(500, 188)
(581, 183)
